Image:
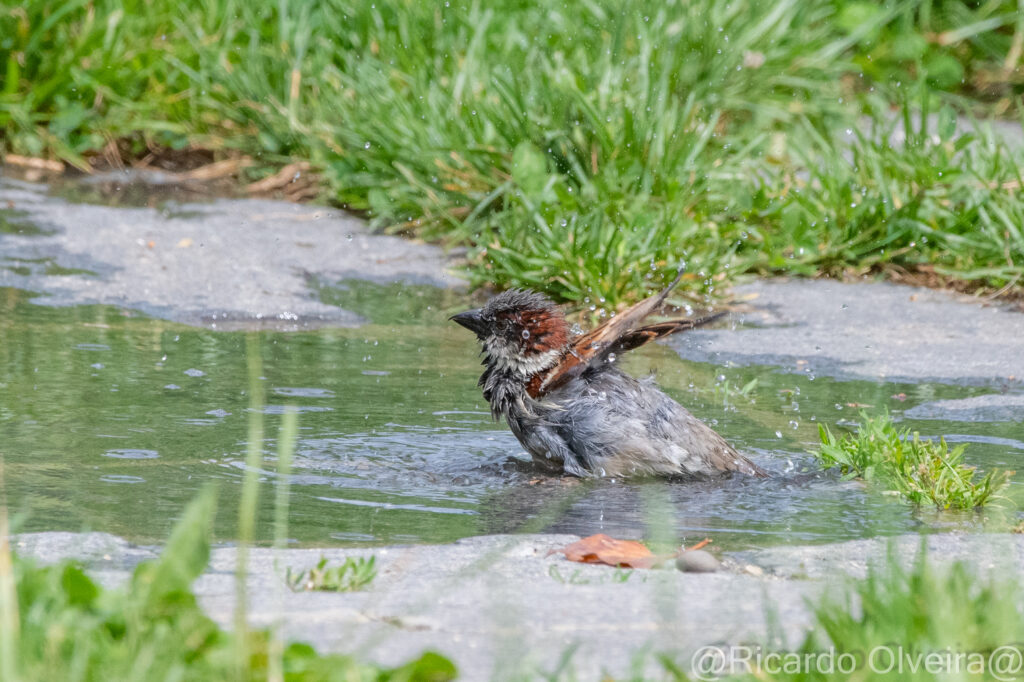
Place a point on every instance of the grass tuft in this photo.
(584, 149)
(353, 574)
(923, 471)
(905, 613)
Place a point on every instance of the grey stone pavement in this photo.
(499, 605)
(225, 264)
(866, 330)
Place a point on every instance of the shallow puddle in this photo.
(112, 421)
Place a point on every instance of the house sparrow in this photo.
(573, 409)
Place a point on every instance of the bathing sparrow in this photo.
(570, 405)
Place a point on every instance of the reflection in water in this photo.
(112, 422)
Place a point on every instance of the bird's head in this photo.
(520, 330)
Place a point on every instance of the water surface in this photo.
(112, 421)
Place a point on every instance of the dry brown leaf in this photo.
(700, 545)
(602, 549)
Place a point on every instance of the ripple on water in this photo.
(281, 409)
(303, 392)
(990, 440)
(395, 505)
(92, 346)
(131, 453)
(407, 467)
(120, 478)
(202, 422)
(353, 537)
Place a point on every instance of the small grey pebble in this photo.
(697, 561)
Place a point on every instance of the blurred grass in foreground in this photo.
(583, 149)
(911, 621)
(152, 628)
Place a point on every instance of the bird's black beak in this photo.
(471, 320)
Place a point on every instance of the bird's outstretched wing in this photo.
(648, 333)
(618, 335)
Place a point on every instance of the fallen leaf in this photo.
(602, 549)
(700, 545)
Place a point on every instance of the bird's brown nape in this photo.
(547, 330)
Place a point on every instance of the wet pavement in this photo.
(225, 264)
(867, 330)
